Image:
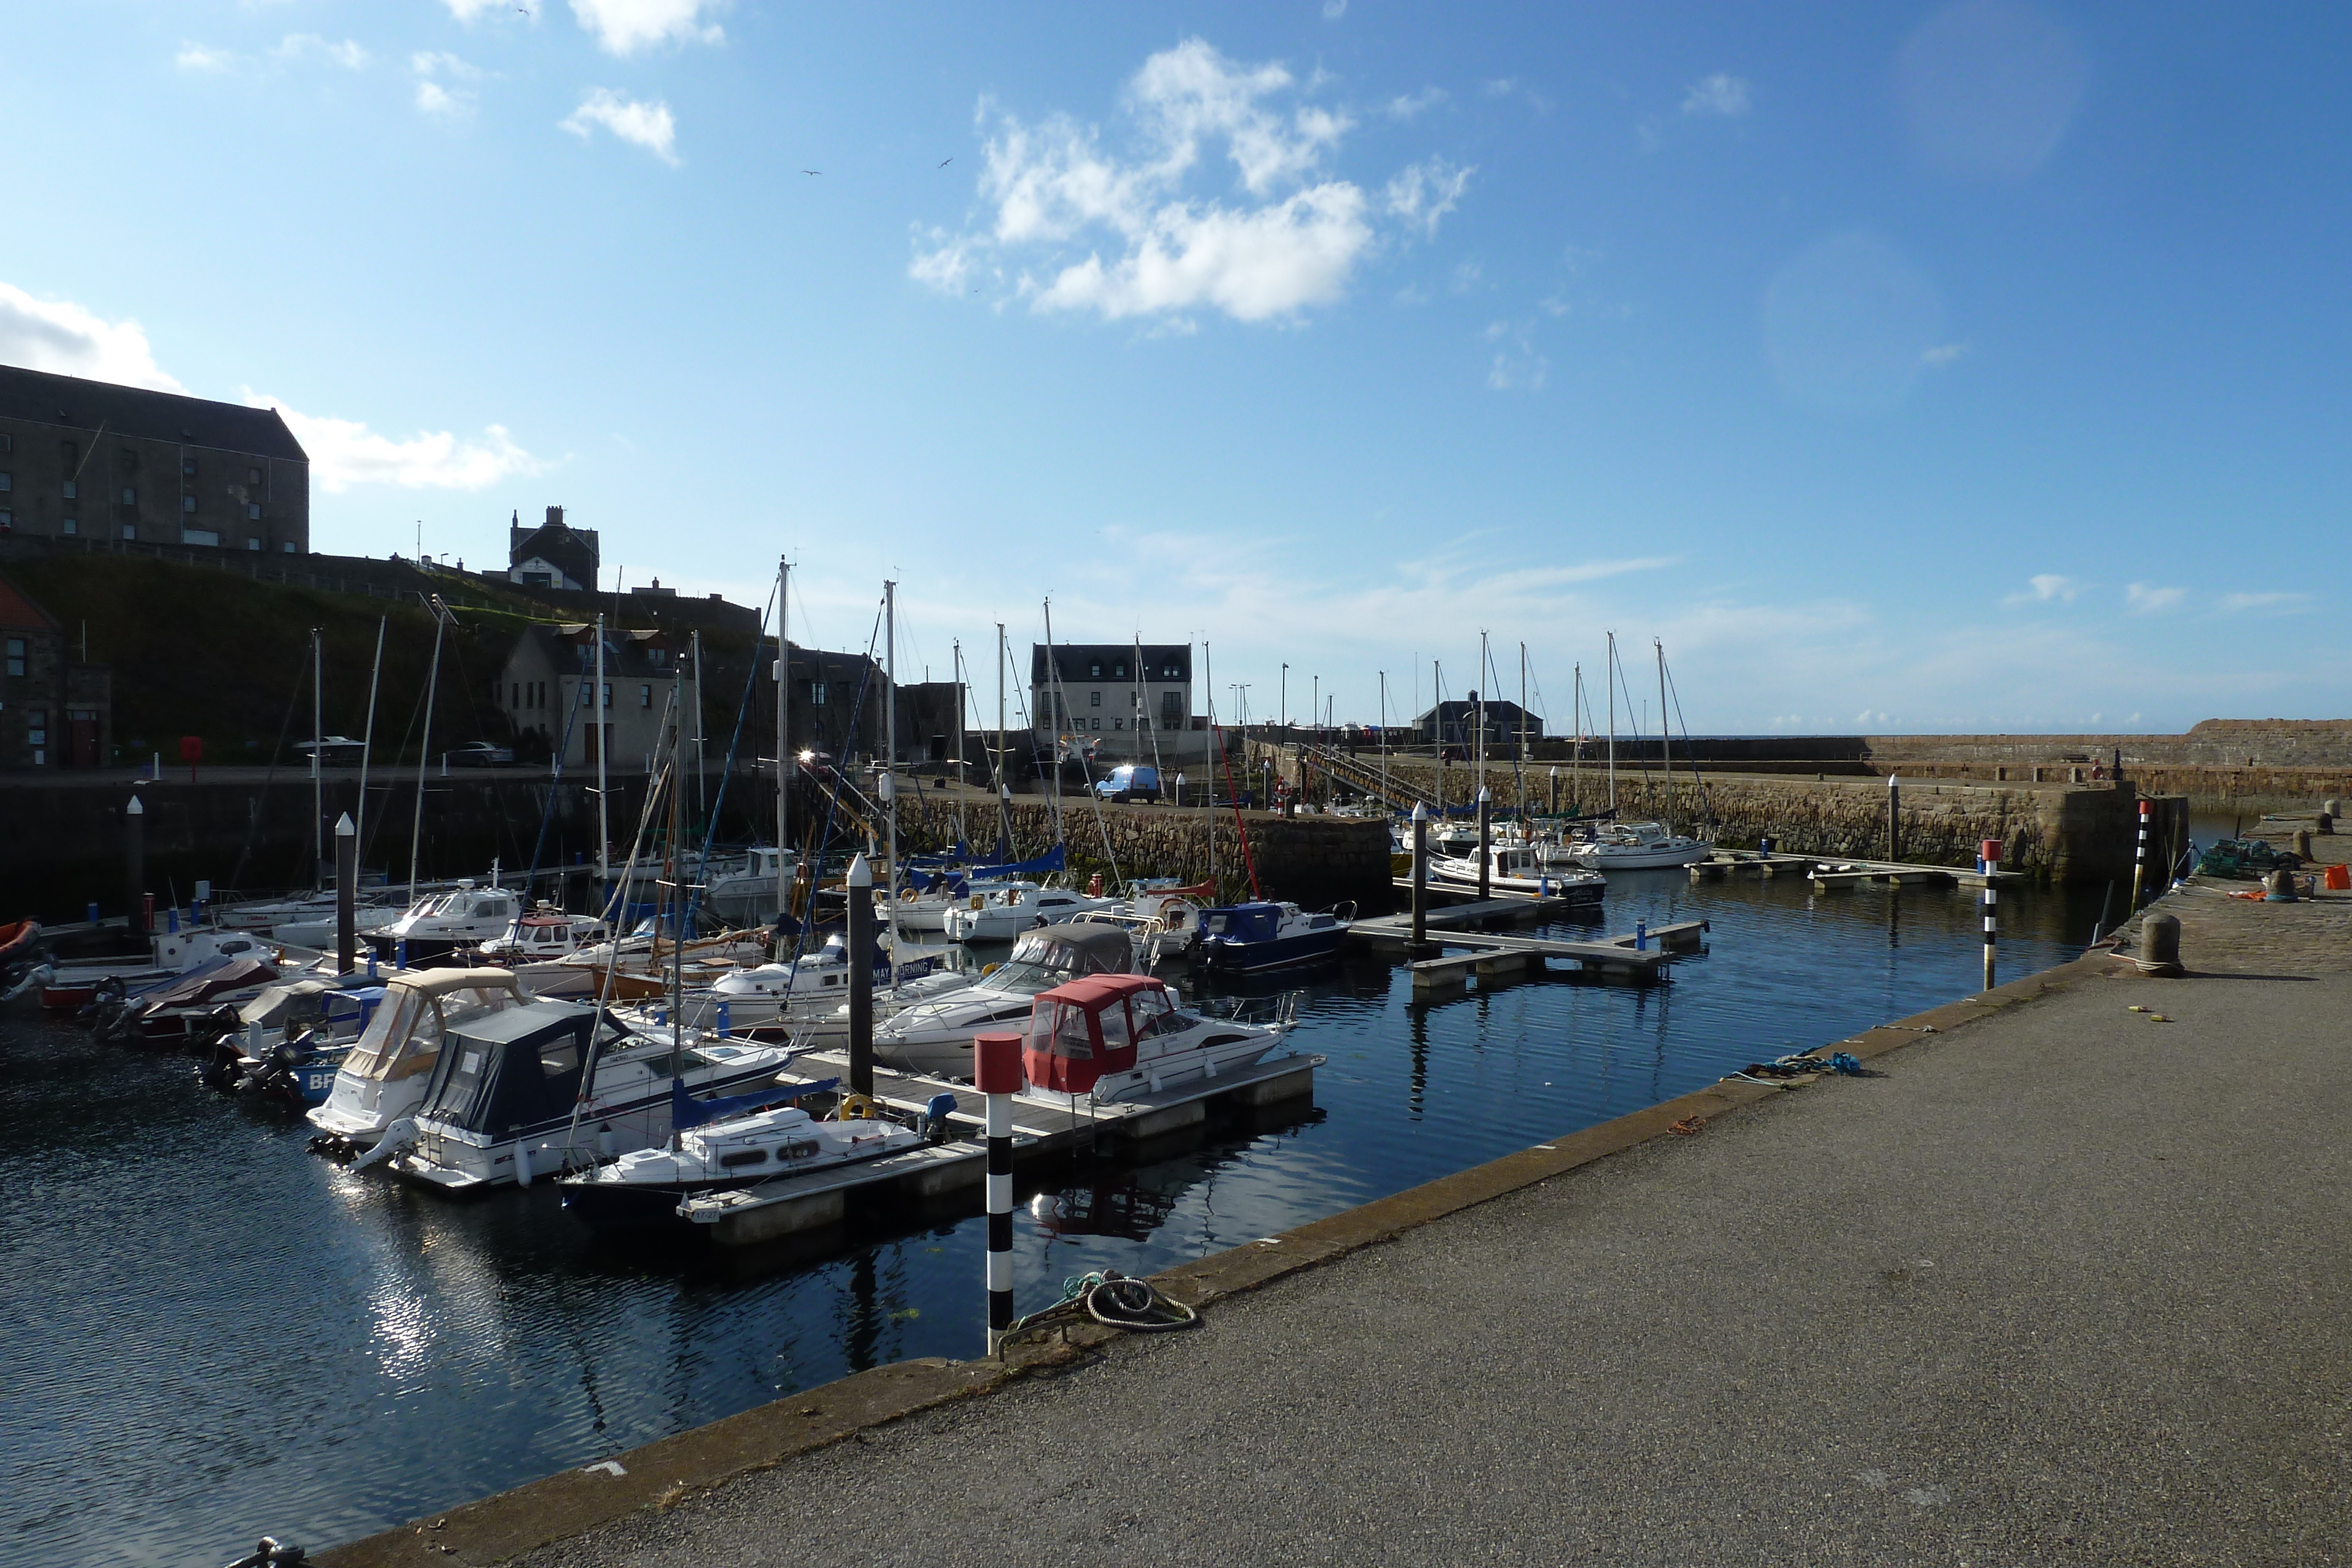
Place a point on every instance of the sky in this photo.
(1900, 367)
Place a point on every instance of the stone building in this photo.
(93, 460)
(551, 672)
(1114, 697)
(554, 555)
(1455, 723)
(54, 711)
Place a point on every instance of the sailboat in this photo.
(1639, 846)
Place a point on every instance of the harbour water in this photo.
(214, 1334)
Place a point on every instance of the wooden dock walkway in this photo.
(1825, 872)
(1042, 1124)
(1637, 956)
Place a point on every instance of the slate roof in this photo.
(78, 404)
(1076, 660)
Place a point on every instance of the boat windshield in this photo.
(404, 1038)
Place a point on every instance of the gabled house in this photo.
(548, 684)
(554, 555)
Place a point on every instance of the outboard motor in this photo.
(937, 1125)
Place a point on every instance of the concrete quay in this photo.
(2061, 1282)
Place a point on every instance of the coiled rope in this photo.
(1115, 1301)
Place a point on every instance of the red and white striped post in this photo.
(2139, 859)
(1991, 849)
(997, 1060)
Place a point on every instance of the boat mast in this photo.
(1576, 763)
(317, 772)
(1059, 705)
(1478, 716)
(1004, 785)
(677, 901)
(596, 732)
(1613, 721)
(1665, 737)
(961, 836)
(1520, 773)
(1385, 803)
(783, 738)
(1437, 728)
(889, 769)
(367, 736)
(1209, 676)
(432, 681)
(698, 736)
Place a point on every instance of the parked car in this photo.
(479, 754)
(1128, 781)
(333, 749)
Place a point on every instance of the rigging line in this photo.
(253, 823)
(555, 778)
(619, 896)
(1705, 801)
(825, 834)
(742, 709)
(375, 821)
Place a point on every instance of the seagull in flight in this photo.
(946, 160)
(811, 170)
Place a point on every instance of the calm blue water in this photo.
(214, 1334)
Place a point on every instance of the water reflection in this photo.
(411, 1352)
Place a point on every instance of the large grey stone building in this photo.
(93, 460)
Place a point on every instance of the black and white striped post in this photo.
(2139, 857)
(1485, 837)
(1992, 855)
(996, 1059)
(1420, 878)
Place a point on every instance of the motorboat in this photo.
(1520, 868)
(554, 1085)
(640, 971)
(710, 1153)
(189, 1009)
(748, 894)
(935, 1037)
(1102, 1038)
(1244, 938)
(435, 927)
(1165, 921)
(316, 1021)
(808, 996)
(169, 955)
(1017, 906)
(1639, 846)
(384, 1076)
(534, 945)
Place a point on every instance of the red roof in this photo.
(17, 610)
(1093, 992)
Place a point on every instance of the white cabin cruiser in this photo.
(441, 924)
(808, 996)
(1639, 846)
(535, 946)
(169, 954)
(1108, 1036)
(935, 1037)
(1017, 906)
(1518, 868)
(647, 1187)
(552, 1085)
(384, 1076)
(747, 894)
(1167, 921)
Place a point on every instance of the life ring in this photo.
(854, 1108)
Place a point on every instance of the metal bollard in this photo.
(1640, 936)
(1990, 859)
(996, 1059)
(1419, 877)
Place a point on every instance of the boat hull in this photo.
(1220, 957)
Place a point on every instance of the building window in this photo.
(1094, 671)
(7, 483)
(816, 693)
(1118, 724)
(36, 728)
(252, 543)
(68, 525)
(187, 503)
(288, 547)
(131, 531)
(253, 475)
(71, 491)
(15, 655)
(1171, 710)
(187, 467)
(645, 697)
(200, 536)
(129, 495)
(1094, 699)
(1119, 672)
(253, 511)
(608, 694)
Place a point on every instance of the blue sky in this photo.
(1964, 366)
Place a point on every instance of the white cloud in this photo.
(345, 451)
(1409, 105)
(1288, 239)
(648, 125)
(2044, 588)
(1334, 9)
(1516, 366)
(348, 54)
(2234, 602)
(447, 98)
(471, 10)
(1942, 355)
(1502, 87)
(1427, 191)
(195, 56)
(1721, 94)
(624, 26)
(1467, 276)
(2146, 599)
(57, 336)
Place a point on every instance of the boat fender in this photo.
(854, 1108)
(522, 1165)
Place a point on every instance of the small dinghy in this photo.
(713, 1152)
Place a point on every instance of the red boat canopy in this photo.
(1086, 1028)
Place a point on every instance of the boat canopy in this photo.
(510, 1068)
(209, 979)
(404, 1038)
(1053, 859)
(299, 998)
(1086, 1028)
(1080, 949)
(1258, 922)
